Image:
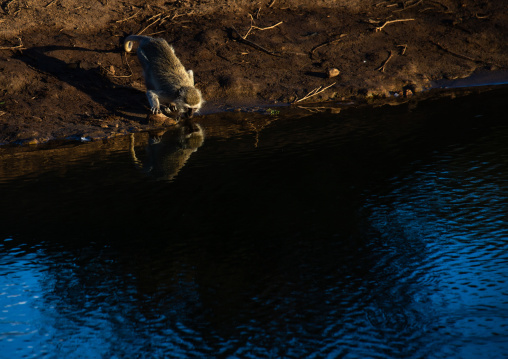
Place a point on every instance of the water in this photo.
(372, 233)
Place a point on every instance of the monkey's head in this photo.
(189, 100)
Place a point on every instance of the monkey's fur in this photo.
(168, 84)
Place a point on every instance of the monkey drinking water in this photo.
(168, 84)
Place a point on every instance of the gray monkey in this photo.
(168, 84)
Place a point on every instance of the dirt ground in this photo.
(63, 73)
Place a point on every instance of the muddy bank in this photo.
(64, 75)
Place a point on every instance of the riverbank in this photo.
(64, 74)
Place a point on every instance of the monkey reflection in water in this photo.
(168, 150)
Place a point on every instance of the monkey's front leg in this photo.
(153, 100)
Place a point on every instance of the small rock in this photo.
(160, 120)
(332, 72)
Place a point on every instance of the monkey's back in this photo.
(163, 67)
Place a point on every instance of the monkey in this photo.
(167, 82)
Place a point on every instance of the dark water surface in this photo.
(372, 233)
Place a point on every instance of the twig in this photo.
(252, 27)
(314, 92)
(382, 67)
(327, 43)
(152, 23)
(481, 16)
(154, 16)
(50, 3)
(269, 27)
(456, 54)
(380, 28)
(13, 47)
(240, 38)
(130, 17)
(271, 3)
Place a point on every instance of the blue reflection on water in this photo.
(454, 209)
(373, 233)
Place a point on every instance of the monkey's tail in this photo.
(129, 41)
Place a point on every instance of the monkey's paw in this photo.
(156, 110)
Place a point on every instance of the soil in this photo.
(63, 73)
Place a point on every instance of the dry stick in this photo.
(478, 16)
(380, 28)
(250, 43)
(175, 15)
(269, 27)
(130, 17)
(160, 19)
(314, 92)
(151, 24)
(13, 47)
(154, 16)
(50, 3)
(252, 27)
(453, 53)
(271, 3)
(327, 43)
(456, 54)
(382, 67)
